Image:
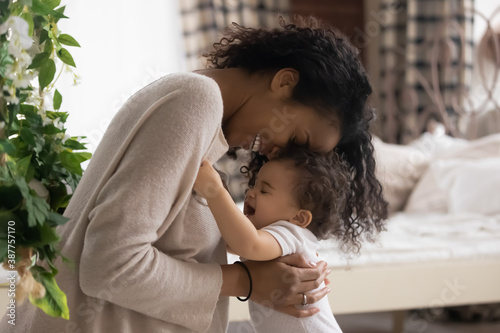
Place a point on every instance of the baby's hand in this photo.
(208, 182)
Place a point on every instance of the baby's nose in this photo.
(250, 193)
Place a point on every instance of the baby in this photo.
(297, 198)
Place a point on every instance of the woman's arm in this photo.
(278, 283)
(236, 229)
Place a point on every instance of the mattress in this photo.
(412, 238)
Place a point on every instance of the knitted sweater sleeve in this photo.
(152, 180)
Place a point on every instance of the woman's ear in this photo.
(302, 218)
(284, 81)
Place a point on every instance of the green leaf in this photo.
(27, 136)
(71, 162)
(29, 19)
(26, 108)
(50, 129)
(44, 34)
(63, 116)
(82, 157)
(39, 60)
(37, 208)
(30, 173)
(23, 165)
(56, 219)
(48, 47)
(73, 144)
(67, 40)
(11, 197)
(5, 58)
(54, 303)
(42, 9)
(7, 147)
(48, 235)
(61, 11)
(66, 57)
(47, 73)
(57, 100)
(51, 3)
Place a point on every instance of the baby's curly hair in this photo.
(322, 187)
(333, 81)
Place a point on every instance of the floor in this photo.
(381, 322)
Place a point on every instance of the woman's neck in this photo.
(236, 86)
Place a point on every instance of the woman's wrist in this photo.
(235, 281)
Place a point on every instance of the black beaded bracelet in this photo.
(249, 278)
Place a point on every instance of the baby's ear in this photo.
(302, 218)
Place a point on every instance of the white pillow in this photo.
(427, 195)
(472, 186)
(398, 168)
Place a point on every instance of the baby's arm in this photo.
(236, 229)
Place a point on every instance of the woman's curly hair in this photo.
(333, 81)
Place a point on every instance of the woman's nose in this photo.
(273, 152)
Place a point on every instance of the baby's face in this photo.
(271, 199)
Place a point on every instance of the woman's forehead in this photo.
(323, 137)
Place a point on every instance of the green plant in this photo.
(40, 165)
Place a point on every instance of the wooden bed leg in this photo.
(398, 321)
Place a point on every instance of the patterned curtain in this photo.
(426, 65)
(203, 20)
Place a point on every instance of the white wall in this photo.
(125, 45)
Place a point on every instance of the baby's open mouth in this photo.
(248, 210)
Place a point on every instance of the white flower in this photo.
(12, 99)
(12, 92)
(58, 123)
(66, 137)
(24, 59)
(19, 33)
(46, 120)
(35, 100)
(17, 73)
(62, 136)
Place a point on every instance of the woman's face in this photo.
(270, 115)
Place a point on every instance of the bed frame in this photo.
(423, 285)
(401, 287)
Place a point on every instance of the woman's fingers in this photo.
(296, 260)
(311, 274)
(306, 286)
(313, 297)
(298, 312)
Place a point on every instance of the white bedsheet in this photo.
(425, 237)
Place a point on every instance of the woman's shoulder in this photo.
(185, 91)
(194, 86)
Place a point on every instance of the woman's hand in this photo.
(208, 182)
(279, 284)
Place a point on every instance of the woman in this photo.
(147, 253)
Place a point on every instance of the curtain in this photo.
(426, 65)
(203, 20)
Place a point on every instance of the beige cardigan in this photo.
(146, 251)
